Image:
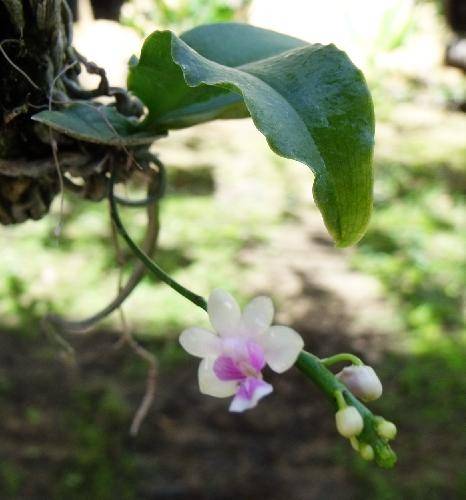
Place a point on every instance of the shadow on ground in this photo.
(64, 429)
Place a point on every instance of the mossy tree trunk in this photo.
(35, 40)
(39, 70)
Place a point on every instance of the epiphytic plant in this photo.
(310, 102)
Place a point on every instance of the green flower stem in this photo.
(144, 258)
(313, 368)
(354, 443)
(341, 403)
(344, 356)
(325, 380)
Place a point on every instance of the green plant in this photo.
(179, 15)
(308, 100)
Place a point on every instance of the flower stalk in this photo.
(344, 356)
(372, 441)
(144, 258)
(314, 369)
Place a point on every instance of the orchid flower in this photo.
(234, 355)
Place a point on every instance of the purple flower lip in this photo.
(245, 369)
(248, 394)
(226, 369)
(247, 360)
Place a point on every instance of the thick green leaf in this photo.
(309, 101)
(101, 125)
(163, 88)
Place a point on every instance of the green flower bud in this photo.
(386, 430)
(349, 422)
(366, 451)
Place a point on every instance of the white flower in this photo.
(234, 355)
(349, 422)
(362, 381)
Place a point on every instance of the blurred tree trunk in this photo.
(455, 12)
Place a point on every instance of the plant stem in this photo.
(314, 369)
(325, 380)
(340, 400)
(145, 259)
(338, 358)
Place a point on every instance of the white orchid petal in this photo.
(199, 342)
(210, 384)
(282, 346)
(224, 312)
(257, 316)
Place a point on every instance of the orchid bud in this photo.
(362, 381)
(349, 422)
(367, 452)
(386, 430)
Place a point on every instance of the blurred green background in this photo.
(239, 217)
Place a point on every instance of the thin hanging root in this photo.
(149, 243)
(54, 146)
(151, 385)
(152, 197)
(151, 380)
(156, 185)
(139, 350)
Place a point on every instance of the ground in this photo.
(65, 419)
(65, 428)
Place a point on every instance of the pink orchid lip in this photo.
(245, 360)
(249, 386)
(243, 364)
(250, 391)
(226, 369)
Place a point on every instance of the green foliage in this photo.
(160, 76)
(99, 466)
(11, 479)
(62, 268)
(27, 309)
(395, 26)
(97, 124)
(309, 101)
(415, 246)
(194, 11)
(181, 14)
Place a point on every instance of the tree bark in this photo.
(39, 70)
